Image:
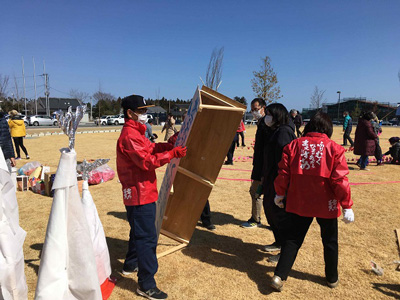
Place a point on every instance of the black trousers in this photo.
(241, 134)
(19, 142)
(276, 216)
(294, 232)
(206, 215)
(142, 244)
(232, 149)
(378, 152)
(346, 137)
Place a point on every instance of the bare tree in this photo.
(214, 69)
(265, 82)
(317, 98)
(80, 96)
(3, 86)
(99, 95)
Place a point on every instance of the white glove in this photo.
(348, 215)
(279, 201)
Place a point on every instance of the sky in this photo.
(161, 48)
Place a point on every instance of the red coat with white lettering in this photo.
(137, 160)
(312, 175)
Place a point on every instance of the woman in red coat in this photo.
(365, 140)
(312, 179)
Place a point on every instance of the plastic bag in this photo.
(101, 174)
(28, 168)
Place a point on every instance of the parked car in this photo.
(386, 123)
(103, 120)
(39, 120)
(250, 122)
(116, 120)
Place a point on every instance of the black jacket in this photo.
(273, 149)
(298, 120)
(5, 139)
(262, 133)
(394, 151)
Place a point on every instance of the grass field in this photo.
(229, 263)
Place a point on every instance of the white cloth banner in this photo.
(68, 267)
(12, 277)
(100, 247)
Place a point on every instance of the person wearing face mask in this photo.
(258, 112)
(282, 133)
(137, 159)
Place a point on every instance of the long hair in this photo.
(321, 123)
(279, 113)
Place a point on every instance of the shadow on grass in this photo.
(233, 253)
(118, 214)
(390, 290)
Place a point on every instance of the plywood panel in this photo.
(185, 206)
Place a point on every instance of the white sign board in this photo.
(173, 165)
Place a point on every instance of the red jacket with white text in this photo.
(137, 160)
(312, 175)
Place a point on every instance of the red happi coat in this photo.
(137, 161)
(312, 175)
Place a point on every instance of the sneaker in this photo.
(154, 293)
(379, 163)
(274, 258)
(272, 248)
(277, 283)
(228, 163)
(129, 272)
(17, 158)
(210, 227)
(28, 157)
(332, 285)
(250, 224)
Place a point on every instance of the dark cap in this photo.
(134, 102)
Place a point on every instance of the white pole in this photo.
(23, 76)
(34, 80)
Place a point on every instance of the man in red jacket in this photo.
(137, 160)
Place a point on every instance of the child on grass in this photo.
(312, 183)
(394, 151)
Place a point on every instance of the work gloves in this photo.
(348, 215)
(178, 152)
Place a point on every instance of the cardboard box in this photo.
(48, 182)
(22, 183)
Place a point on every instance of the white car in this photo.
(42, 120)
(103, 120)
(116, 120)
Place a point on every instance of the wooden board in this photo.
(211, 134)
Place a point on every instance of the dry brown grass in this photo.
(229, 263)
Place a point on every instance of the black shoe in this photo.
(154, 293)
(228, 163)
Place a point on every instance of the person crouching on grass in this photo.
(312, 183)
(137, 159)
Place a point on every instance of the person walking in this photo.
(347, 127)
(258, 112)
(282, 133)
(6, 143)
(297, 120)
(18, 132)
(312, 182)
(137, 159)
(365, 140)
(241, 130)
(378, 130)
(169, 127)
(149, 131)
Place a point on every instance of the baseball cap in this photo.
(134, 102)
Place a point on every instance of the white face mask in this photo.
(142, 118)
(257, 114)
(268, 120)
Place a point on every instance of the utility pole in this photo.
(46, 85)
(338, 106)
(91, 108)
(34, 80)
(23, 76)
